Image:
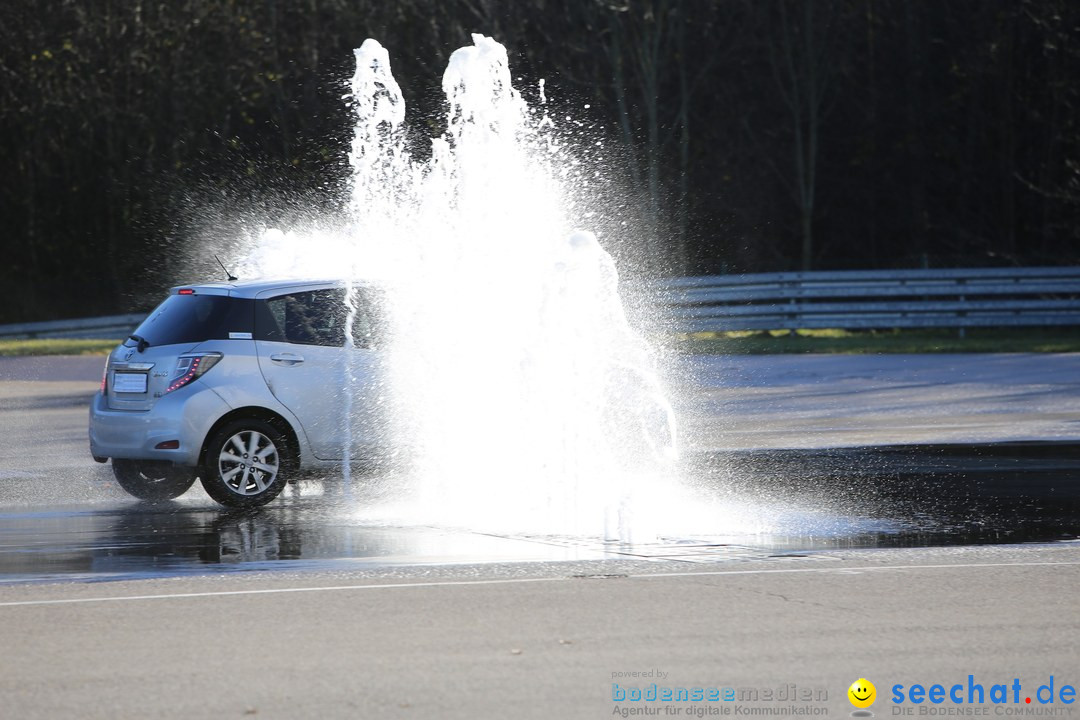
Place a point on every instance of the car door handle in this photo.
(287, 358)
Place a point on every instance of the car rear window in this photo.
(183, 319)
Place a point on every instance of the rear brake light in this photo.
(104, 375)
(191, 367)
(186, 291)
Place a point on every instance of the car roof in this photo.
(253, 288)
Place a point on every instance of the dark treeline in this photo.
(754, 135)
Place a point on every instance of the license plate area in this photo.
(129, 382)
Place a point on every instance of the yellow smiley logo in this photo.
(862, 693)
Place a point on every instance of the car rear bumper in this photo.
(184, 418)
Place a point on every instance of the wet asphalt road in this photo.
(896, 563)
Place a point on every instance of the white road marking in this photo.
(514, 581)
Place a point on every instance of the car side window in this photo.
(367, 324)
(316, 317)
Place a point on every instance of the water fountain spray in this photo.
(523, 399)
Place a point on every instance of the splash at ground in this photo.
(522, 399)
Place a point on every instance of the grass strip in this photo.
(975, 340)
(10, 348)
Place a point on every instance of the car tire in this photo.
(153, 479)
(246, 464)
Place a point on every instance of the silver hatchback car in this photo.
(241, 385)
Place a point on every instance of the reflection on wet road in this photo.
(135, 539)
(766, 504)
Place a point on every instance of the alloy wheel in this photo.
(248, 462)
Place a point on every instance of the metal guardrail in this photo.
(104, 328)
(953, 298)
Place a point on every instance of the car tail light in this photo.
(104, 376)
(191, 367)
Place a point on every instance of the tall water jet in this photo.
(524, 400)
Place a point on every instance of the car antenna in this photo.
(228, 274)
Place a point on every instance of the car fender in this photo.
(241, 385)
